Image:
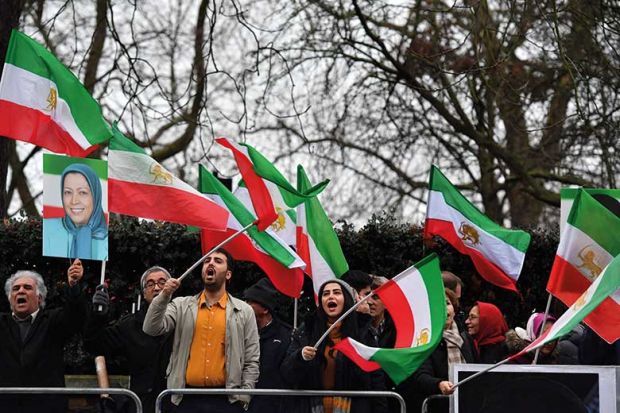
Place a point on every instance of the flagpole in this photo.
(220, 245)
(542, 326)
(295, 314)
(346, 313)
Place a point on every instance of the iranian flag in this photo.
(604, 287)
(285, 225)
(43, 103)
(416, 301)
(269, 191)
(264, 248)
(497, 252)
(317, 242)
(588, 243)
(142, 187)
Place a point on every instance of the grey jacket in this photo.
(241, 349)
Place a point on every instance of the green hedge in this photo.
(382, 247)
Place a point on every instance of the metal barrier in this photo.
(73, 390)
(433, 397)
(281, 392)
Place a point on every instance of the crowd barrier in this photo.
(429, 399)
(280, 392)
(73, 390)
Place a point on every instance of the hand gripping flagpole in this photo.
(101, 281)
(346, 313)
(220, 245)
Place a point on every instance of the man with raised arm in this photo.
(216, 341)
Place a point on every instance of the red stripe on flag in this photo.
(35, 127)
(348, 350)
(302, 245)
(485, 268)
(398, 306)
(567, 284)
(259, 194)
(165, 203)
(287, 281)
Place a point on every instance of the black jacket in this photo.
(147, 357)
(492, 353)
(425, 381)
(274, 341)
(307, 375)
(39, 362)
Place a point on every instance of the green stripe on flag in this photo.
(291, 196)
(594, 219)
(29, 55)
(571, 193)
(55, 164)
(321, 229)
(120, 142)
(209, 184)
(438, 182)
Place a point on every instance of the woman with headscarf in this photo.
(83, 231)
(487, 326)
(324, 368)
(432, 376)
(519, 338)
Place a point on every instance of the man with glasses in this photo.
(146, 356)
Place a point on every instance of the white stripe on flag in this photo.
(500, 253)
(575, 244)
(363, 350)
(321, 271)
(415, 291)
(30, 90)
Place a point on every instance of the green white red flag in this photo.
(140, 186)
(497, 253)
(588, 243)
(264, 248)
(604, 287)
(317, 242)
(43, 103)
(285, 225)
(416, 301)
(270, 192)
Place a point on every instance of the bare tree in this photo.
(513, 99)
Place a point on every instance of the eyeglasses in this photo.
(151, 284)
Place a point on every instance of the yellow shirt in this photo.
(206, 366)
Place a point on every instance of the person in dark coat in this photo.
(488, 327)
(325, 368)
(147, 357)
(432, 376)
(275, 337)
(33, 337)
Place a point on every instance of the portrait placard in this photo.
(75, 207)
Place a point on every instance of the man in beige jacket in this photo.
(216, 342)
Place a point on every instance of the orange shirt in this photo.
(206, 366)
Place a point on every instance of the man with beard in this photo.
(216, 341)
(33, 337)
(147, 356)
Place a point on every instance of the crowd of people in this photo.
(215, 340)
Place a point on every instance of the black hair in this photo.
(230, 262)
(349, 327)
(357, 279)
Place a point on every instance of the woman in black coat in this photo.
(324, 368)
(432, 376)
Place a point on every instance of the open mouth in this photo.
(210, 272)
(21, 300)
(332, 305)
